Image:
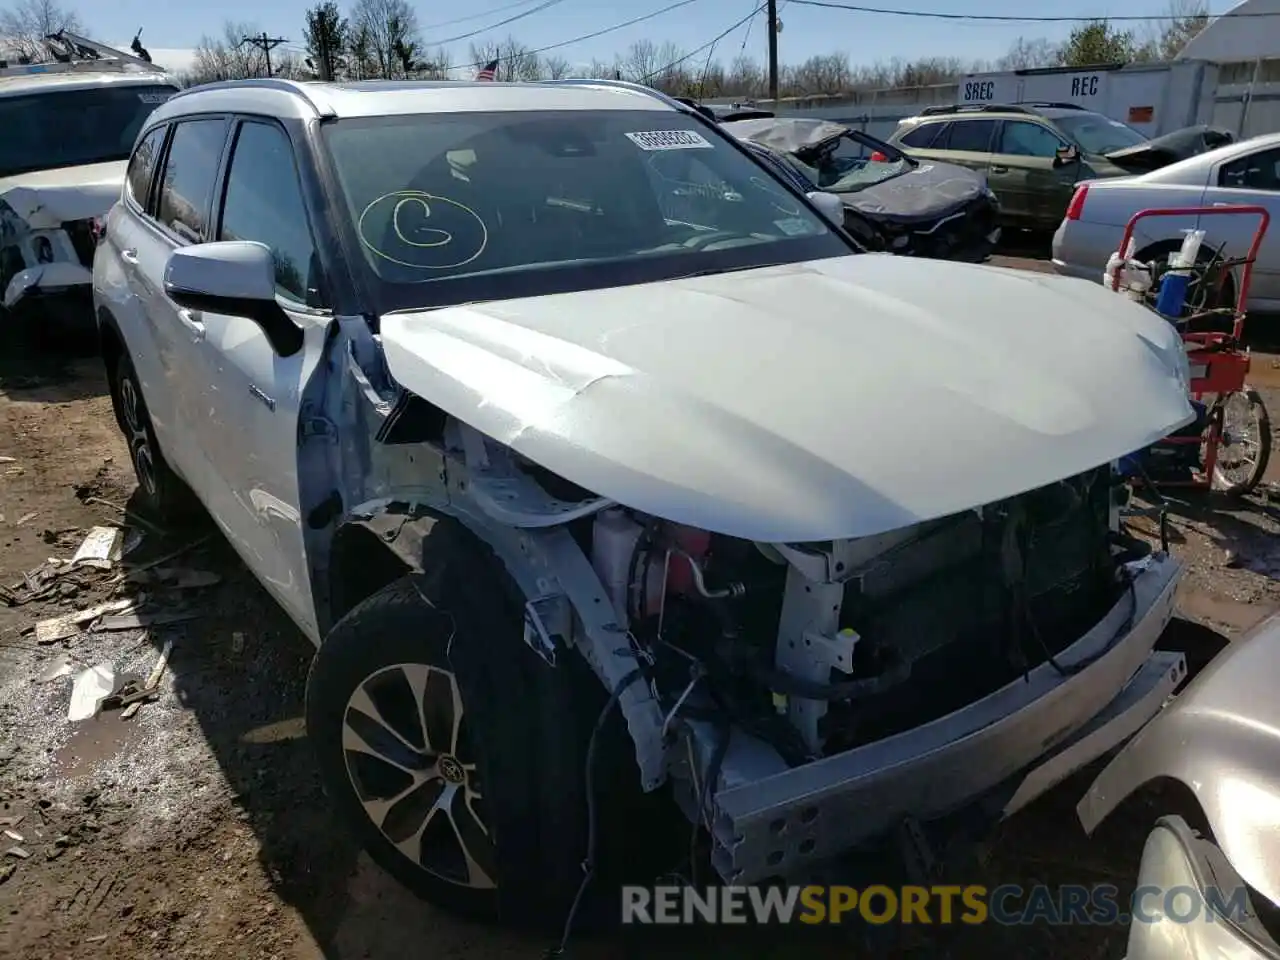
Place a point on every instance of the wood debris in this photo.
(135, 621)
(152, 682)
(68, 625)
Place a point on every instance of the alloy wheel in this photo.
(409, 761)
(135, 419)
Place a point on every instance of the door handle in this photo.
(191, 320)
(130, 257)
(999, 169)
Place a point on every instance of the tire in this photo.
(1158, 256)
(165, 498)
(1238, 485)
(516, 774)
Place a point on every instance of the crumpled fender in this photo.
(1221, 739)
(46, 277)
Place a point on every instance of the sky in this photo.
(171, 29)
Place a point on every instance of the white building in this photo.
(1244, 43)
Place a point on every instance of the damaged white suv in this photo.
(66, 129)
(532, 401)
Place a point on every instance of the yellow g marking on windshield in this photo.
(426, 238)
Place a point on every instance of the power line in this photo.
(587, 36)
(501, 23)
(477, 16)
(710, 43)
(999, 18)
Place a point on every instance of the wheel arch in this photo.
(374, 547)
(111, 345)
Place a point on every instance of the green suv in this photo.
(1033, 154)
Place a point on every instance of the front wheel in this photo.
(458, 756)
(1245, 447)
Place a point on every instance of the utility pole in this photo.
(267, 44)
(773, 49)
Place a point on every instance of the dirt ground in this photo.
(197, 829)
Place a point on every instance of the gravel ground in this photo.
(197, 829)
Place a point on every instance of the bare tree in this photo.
(1026, 54)
(360, 59)
(1164, 39)
(654, 64)
(515, 60)
(435, 65)
(556, 68)
(229, 58)
(389, 28)
(24, 26)
(822, 74)
(604, 70)
(745, 78)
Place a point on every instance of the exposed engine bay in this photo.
(915, 623)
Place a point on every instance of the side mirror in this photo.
(235, 277)
(829, 205)
(1066, 155)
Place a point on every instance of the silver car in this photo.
(1213, 892)
(1242, 173)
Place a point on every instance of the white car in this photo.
(66, 130)
(532, 401)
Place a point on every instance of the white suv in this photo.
(532, 401)
(66, 130)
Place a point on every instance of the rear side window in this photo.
(923, 135)
(143, 164)
(190, 170)
(971, 135)
(1258, 171)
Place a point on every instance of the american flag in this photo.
(489, 72)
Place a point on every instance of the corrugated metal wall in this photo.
(1153, 98)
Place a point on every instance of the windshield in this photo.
(852, 163)
(69, 128)
(452, 208)
(1095, 133)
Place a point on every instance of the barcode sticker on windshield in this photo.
(154, 97)
(669, 140)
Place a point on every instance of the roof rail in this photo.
(1051, 105)
(670, 101)
(71, 53)
(974, 108)
(299, 88)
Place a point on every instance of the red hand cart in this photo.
(1233, 452)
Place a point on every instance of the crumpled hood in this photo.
(927, 192)
(836, 398)
(46, 199)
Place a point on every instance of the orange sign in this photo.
(1141, 114)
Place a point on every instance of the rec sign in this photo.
(1087, 85)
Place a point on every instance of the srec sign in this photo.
(979, 91)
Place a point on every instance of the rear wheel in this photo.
(164, 496)
(1245, 448)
